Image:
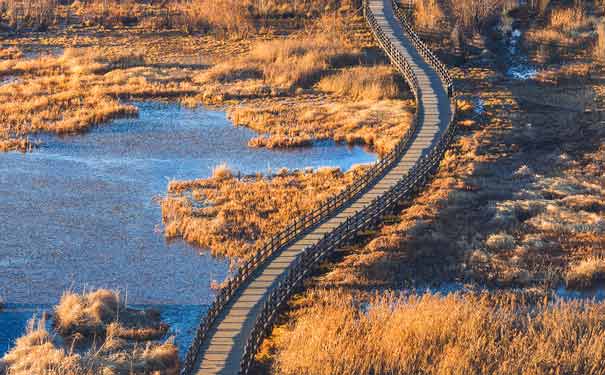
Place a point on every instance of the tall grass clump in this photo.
(95, 334)
(35, 353)
(363, 83)
(586, 273)
(35, 14)
(98, 312)
(300, 62)
(432, 334)
(474, 15)
(221, 172)
(223, 17)
(294, 62)
(428, 14)
(600, 46)
(568, 19)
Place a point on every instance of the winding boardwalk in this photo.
(222, 350)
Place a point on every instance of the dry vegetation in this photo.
(260, 80)
(469, 16)
(110, 338)
(518, 202)
(428, 14)
(513, 205)
(72, 92)
(295, 73)
(232, 216)
(565, 26)
(507, 333)
(600, 46)
(226, 18)
(284, 123)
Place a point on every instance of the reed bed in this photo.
(600, 46)
(428, 14)
(288, 64)
(86, 87)
(224, 18)
(364, 83)
(566, 26)
(379, 124)
(97, 334)
(75, 91)
(233, 217)
(509, 207)
(503, 333)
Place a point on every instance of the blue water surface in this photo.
(80, 212)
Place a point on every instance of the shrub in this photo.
(221, 172)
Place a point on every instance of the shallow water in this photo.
(597, 293)
(79, 213)
(519, 67)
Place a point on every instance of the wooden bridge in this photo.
(243, 312)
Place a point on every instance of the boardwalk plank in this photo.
(224, 346)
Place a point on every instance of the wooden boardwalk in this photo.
(222, 349)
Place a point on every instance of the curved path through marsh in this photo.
(224, 344)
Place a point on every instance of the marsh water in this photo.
(79, 212)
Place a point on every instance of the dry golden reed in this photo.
(109, 337)
(233, 217)
(506, 333)
(428, 14)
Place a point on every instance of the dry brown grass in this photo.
(509, 207)
(224, 18)
(566, 27)
(364, 83)
(35, 14)
(568, 19)
(586, 273)
(121, 341)
(95, 313)
(600, 46)
(288, 63)
(428, 14)
(335, 333)
(89, 86)
(233, 217)
(271, 80)
(72, 92)
(474, 15)
(35, 353)
(298, 113)
(377, 124)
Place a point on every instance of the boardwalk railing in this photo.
(370, 214)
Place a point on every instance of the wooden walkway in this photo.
(223, 347)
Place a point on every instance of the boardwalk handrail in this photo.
(308, 221)
(303, 224)
(371, 214)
